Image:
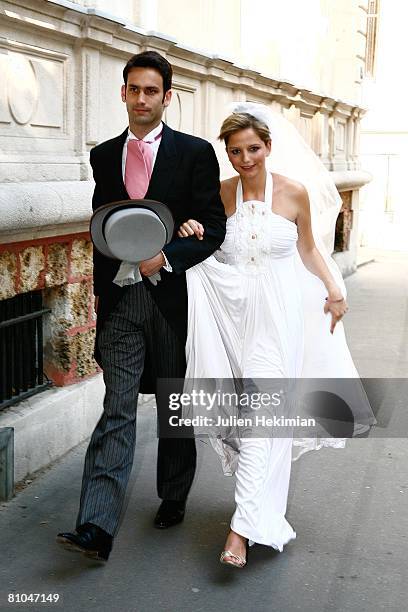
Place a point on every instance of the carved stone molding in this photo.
(33, 98)
(22, 89)
(33, 210)
(92, 93)
(181, 112)
(42, 102)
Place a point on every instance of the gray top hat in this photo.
(131, 230)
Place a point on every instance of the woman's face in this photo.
(247, 152)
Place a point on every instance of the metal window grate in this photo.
(21, 348)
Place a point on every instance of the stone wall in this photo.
(344, 224)
(62, 268)
(61, 64)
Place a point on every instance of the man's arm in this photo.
(99, 261)
(207, 208)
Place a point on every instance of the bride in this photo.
(252, 305)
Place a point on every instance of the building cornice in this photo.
(99, 29)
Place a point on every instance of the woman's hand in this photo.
(337, 308)
(191, 228)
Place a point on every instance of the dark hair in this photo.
(151, 59)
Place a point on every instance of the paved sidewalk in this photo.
(349, 508)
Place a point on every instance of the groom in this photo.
(141, 328)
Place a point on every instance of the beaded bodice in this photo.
(255, 234)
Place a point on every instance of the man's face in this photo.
(143, 95)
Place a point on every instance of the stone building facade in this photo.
(61, 64)
(384, 133)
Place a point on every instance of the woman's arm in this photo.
(203, 189)
(193, 227)
(313, 260)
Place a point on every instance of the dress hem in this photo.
(275, 546)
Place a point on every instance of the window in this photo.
(21, 348)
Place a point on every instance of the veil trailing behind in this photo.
(325, 355)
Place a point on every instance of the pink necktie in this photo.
(138, 170)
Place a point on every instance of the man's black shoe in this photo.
(170, 513)
(91, 540)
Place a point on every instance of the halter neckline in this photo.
(267, 195)
(239, 200)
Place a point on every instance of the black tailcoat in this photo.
(186, 178)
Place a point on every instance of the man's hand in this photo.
(153, 265)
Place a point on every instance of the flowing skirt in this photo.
(249, 326)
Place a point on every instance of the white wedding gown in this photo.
(246, 320)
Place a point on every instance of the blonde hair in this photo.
(242, 121)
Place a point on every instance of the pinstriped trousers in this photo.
(136, 329)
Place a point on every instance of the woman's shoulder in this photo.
(290, 187)
(229, 185)
(228, 193)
